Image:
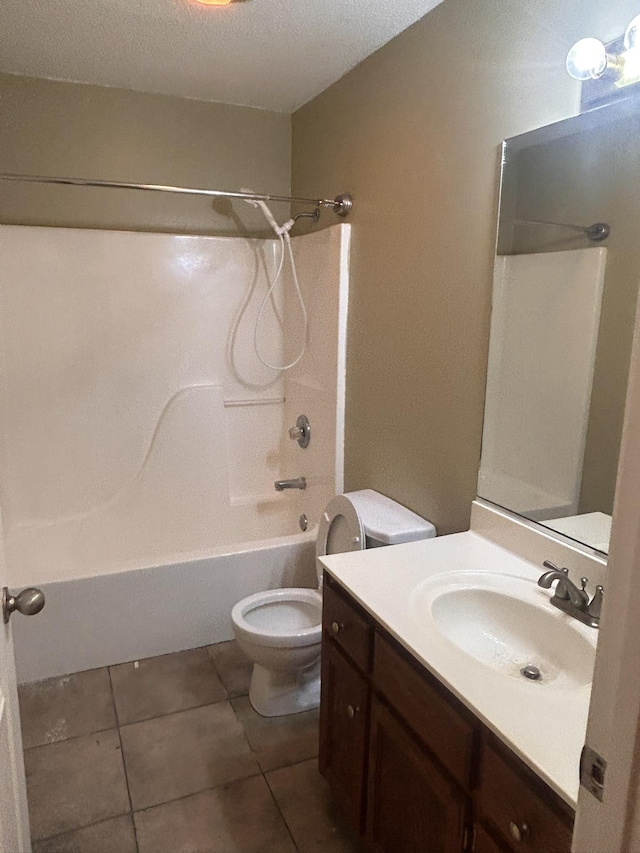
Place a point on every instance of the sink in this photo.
(506, 623)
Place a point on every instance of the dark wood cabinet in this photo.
(412, 806)
(412, 768)
(515, 801)
(344, 724)
(484, 842)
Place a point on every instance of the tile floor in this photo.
(168, 756)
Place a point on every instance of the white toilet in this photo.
(280, 630)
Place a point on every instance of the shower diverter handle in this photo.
(301, 432)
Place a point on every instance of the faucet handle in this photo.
(595, 607)
(549, 565)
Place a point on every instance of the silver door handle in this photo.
(28, 602)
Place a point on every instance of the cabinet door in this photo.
(343, 731)
(412, 806)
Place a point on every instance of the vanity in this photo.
(431, 737)
(455, 691)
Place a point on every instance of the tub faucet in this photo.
(297, 483)
(571, 600)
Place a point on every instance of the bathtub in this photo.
(144, 611)
(142, 437)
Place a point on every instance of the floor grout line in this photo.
(171, 713)
(280, 812)
(84, 826)
(69, 739)
(124, 763)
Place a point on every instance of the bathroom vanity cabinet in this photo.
(413, 769)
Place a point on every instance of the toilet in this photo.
(280, 629)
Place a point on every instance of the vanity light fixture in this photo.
(213, 2)
(606, 68)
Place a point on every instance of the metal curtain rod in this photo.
(341, 204)
(596, 232)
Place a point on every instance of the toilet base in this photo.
(276, 693)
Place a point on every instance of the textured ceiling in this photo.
(274, 54)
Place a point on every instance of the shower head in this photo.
(315, 215)
(263, 207)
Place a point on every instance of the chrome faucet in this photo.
(571, 600)
(297, 483)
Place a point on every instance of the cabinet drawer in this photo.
(347, 626)
(508, 801)
(433, 718)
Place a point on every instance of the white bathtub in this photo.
(141, 612)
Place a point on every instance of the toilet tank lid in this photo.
(387, 521)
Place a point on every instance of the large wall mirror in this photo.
(565, 288)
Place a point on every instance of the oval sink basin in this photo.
(506, 623)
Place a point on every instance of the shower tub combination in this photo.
(142, 435)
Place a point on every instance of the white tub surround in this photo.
(142, 436)
(543, 722)
(532, 453)
(139, 425)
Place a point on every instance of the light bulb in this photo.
(587, 59)
(631, 34)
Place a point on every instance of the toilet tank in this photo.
(386, 522)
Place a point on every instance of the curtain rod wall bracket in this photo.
(342, 204)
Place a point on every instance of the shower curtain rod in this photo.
(596, 232)
(341, 204)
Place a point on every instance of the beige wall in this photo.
(414, 132)
(68, 129)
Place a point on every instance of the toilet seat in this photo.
(280, 617)
(340, 528)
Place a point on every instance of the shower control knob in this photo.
(301, 432)
(28, 602)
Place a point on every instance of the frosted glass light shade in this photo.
(632, 34)
(587, 59)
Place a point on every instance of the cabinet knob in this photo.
(351, 711)
(335, 627)
(518, 831)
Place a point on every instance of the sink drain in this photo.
(531, 672)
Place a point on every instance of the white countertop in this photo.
(543, 724)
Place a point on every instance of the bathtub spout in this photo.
(298, 483)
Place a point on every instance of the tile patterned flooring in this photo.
(166, 755)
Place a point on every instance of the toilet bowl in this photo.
(280, 630)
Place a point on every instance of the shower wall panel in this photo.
(315, 387)
(122, 356)
(139, 427)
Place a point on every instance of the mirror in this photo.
(565, 288)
